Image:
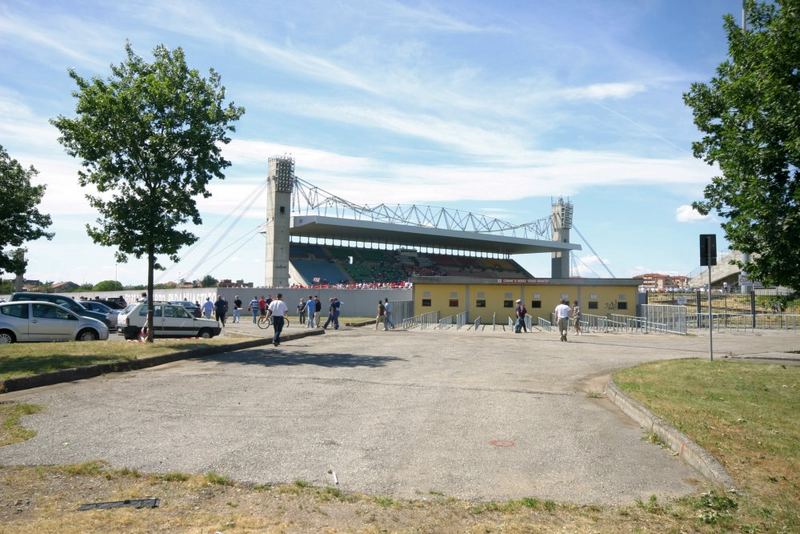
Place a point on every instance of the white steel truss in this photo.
(308, 199)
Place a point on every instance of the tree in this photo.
(107, 285)
(749, 114)
(209, 281)
(20, 219)
(149, 137)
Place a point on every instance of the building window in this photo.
(480, 303)
(622, 305)
(508, 303)
(453, 303)
(593, 305)
(536, 304)
(426, 303)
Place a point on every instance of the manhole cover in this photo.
(501, 443)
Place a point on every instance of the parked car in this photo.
(191, 307)
(61, 300)
(99, 307)
(169, 320)
(44, 321)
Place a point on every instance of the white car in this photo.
(45, 321)
(169, 320)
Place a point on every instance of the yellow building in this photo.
(450, 295)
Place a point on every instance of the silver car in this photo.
(99, 307)
(45, 321)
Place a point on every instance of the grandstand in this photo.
(312, 264)
(315, 237)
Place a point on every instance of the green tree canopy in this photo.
(20, 219)
(149, 137)
(107, 285)
(749, 114)
(209, 281)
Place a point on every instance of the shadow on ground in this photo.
(270, 357)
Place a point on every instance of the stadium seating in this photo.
(323, 264)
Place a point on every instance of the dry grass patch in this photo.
(26, 359)
(11, 429)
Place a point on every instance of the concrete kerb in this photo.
(688, 450)
(90, 371)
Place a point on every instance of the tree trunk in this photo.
(151, 260)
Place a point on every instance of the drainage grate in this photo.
(133, 503)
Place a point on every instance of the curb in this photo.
(688, 450)
(90, 371)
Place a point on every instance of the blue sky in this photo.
(493, 107)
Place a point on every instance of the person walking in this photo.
(388, 307)
(262, 306)
(381, 315)
(220, 306)
(562, 312)
(237, 309)
(277, 311)
(521, 312)
(576, 316)
(317, 310)
(311, 309)
(198, 311)
(301, 311)
(208, 307)
(333, 314)
(253, 308)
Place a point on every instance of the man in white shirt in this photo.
(562, 315)
(277, 310)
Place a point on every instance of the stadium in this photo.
(438, 260)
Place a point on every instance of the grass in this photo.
(745, 414)
(26, 359)
(11, 429)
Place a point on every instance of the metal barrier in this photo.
(459, 320)
(512, 323)
(545, 325)
(430, 319)
(666, 318)
(744, 321)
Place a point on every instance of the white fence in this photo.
(426, 320)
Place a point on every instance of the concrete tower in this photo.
(279, 206)
(562, 222)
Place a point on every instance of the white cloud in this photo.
(687, 214)
(590, 266)
(602, 91)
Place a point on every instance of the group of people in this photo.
(220, 309)
(309, 312)
(384, 315)
(563, 313)
(356, 285)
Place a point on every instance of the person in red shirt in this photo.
(262, 306)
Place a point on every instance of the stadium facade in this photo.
(453, 267)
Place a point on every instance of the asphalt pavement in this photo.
(476, 415)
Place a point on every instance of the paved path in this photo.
(473, 415)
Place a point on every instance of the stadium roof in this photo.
(317, 226)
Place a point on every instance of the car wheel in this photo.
(7, 337)
(87, 335)
(206, 334)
